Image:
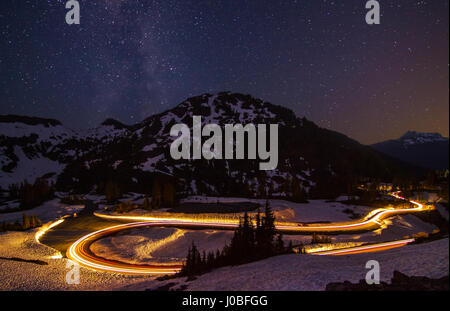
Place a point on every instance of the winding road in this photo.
(80, 250)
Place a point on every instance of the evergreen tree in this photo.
(248, 237)
(290, 247)
(204, 261)
(210, 260)
(233, 251)
(146, 205)
(187, 265)
(280, 244)
(268, 230)
(242, 244)
(218, 258)
(16, 226)
(262, 187)
(14, 191)
(259, 233)
(169, 195)
(270, 191)
(298, 193)
(38, 222)
(112, 192)
(33, 222)
(156, 194)
(193, 264)
(128, 206)
(301, 248)
(247, 244)
(25, 222)
(197, 259)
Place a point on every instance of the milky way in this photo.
(129, 59)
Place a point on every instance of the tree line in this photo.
(28, 222)
(32, 195)
(252, 240)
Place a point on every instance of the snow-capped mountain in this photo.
(429, 150)
(33, 147)
(29, 147)
(414, 138)
(318, 160)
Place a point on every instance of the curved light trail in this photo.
(81, 253)
(372, 221)
(42, 230)
(366, 248)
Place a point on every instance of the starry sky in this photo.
(129, 59)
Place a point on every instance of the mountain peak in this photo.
(224, 107)
(413, 137)
(429, 150)
(114, 123)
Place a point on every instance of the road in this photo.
(80, 250)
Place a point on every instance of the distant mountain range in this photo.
(429, 150)
(322, 161)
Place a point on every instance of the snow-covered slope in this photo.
(29, 148)
(414, 138)
(32, 147)
(309, 157)
(308, 272)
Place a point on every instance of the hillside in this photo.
(429, 150)
(320, 161)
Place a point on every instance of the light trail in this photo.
(45, 228)
(80, 250)
(371, 221)
(366, 248)
(80, 253)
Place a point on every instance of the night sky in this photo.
(133, 58)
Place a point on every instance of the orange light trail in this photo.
(366, 248)
(80, 250)
(80, 253)
(45, 228)
(372, 221)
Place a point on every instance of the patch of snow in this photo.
(49, 211)
(308, 272)
(150, 164)
(149, 147)
(29, 169)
